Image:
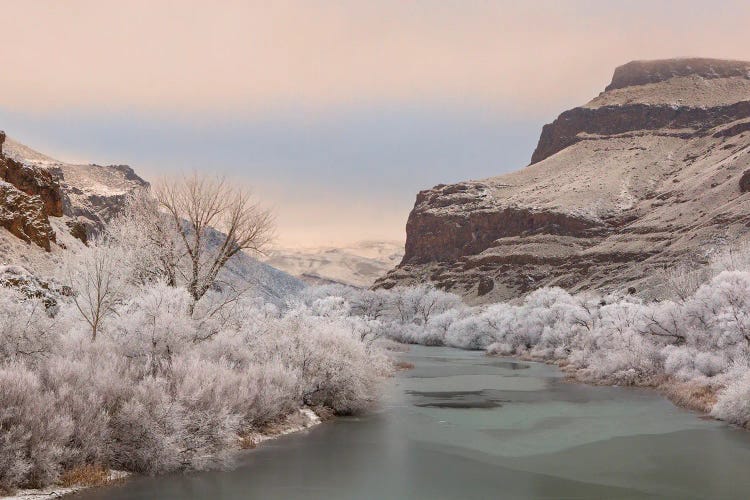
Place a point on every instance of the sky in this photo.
(335, 113)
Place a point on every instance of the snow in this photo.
(301, 420)
(58, 491)
(357, 264)
(691, 89)
(266, 282)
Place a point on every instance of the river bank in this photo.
(303, 419)
(687, 395)
(464, 425)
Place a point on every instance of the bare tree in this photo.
(682, 280)
(196, 205)
(96, 286)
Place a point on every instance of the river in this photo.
(461, 425)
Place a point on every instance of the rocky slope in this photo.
(89, 194)
(647, 174)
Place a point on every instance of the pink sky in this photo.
(234, 56)
(201, 61)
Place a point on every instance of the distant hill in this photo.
(358, 264)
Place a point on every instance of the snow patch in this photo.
(59, 491)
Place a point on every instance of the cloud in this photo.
(244, 57)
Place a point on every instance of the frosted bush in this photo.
(207, 394)
(733, 404)
(147, 429)
(154, 325)
(69, 381)
(166, 386)
(26, 330)
(687, 363)
(33, 433)
(471, 332)
(635, 360)
(710, 364)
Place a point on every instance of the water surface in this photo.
(461, 426)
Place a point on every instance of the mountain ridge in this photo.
(50, 207)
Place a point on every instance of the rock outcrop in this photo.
(35, 181)
(24, 216)
(645, 175)
(35, 187)
(90, 194)
(28, 196)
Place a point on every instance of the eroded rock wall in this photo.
(28, 196)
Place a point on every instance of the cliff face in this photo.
(89, 195)
(35, 188)
(24, 216)
(644, 175)
(28, 196)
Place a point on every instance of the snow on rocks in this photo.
(302, 419)
(60, 491)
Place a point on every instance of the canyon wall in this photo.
(646, 175)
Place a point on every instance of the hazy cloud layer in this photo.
(227, 56)
(339, 111)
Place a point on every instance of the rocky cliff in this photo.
(90, 194)
(28, 196)
(41, 197)
(645, 175)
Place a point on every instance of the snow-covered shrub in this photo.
(33, 434)
(417, 304)
(166, 386)
(733, 404)
(27, 331)
(334, 367)
(69, 380)
(147, 429)
(154, 324)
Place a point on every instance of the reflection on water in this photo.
(461, 425)
(511, 365)
(457, 399)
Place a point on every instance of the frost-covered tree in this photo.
(147, 241)
(682, 281)
(95, 276)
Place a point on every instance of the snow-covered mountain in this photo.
(357, 264)
(49, 208)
